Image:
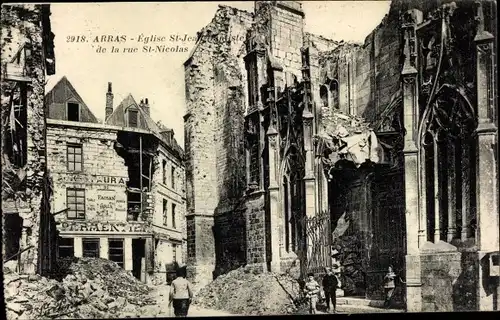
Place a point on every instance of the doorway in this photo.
(138, 254)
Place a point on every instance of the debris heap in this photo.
(243, 292)
(90, 288)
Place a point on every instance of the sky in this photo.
(160, 76)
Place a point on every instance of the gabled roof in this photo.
(57, 97)
(118, 118)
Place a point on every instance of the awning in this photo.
(348, 138)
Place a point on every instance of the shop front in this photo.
(129, 244)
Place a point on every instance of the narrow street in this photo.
(160, 293)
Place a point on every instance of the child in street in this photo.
(311, 290)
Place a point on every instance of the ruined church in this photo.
(385, 151)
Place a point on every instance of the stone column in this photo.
(78, 247)
(412, 163)
(103, 248)
(128, 254)
(487, 175)
(452, 228)
(274, 194)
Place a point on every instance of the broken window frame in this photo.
(16, 123)
(165, 212)
(172, 177)
(164, 172)
(119, 249)
(61, 247)
(71, 165)
(174, 252)
(68, 110)
(174, 224)
(86, 241)
(75, 210)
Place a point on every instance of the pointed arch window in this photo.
(448, 153)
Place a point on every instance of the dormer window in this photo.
(133, 118)
(73, 111)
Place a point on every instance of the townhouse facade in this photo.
(119, 182)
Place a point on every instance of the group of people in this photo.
(312, 289)
(331, 282)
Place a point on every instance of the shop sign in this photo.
(97, 179)
(118, 227)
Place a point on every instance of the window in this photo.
(253, 149)
(66, 247)
(15, 131)
(164, 166)
(174, 252)
(447, 152)
(165, 212)
(334, 89)
(323, 93)
(133, 118)
(173, 216)
(73, 111)
(75, 157)
(75, 199)
(115, 251)
(90, 248)
(173, 177)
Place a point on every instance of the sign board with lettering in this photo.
(103, 227)
(106, 202)
(94, 179)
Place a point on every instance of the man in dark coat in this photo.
(330, 283)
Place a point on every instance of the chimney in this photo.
(145, 106)
(109, 101)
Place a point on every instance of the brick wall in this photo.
(256, 231)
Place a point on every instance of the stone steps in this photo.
(359, 302)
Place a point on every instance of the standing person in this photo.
(311, 289)
(330, 284)
(181, 293)
(389, 286)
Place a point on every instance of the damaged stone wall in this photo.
(215, 173)
(362, 80)
(104, 172)
(22, 26)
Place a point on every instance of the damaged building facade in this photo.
(119, 184)
(385, 151)
(28, 233)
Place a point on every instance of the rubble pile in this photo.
(243, 292)
(91, 288)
